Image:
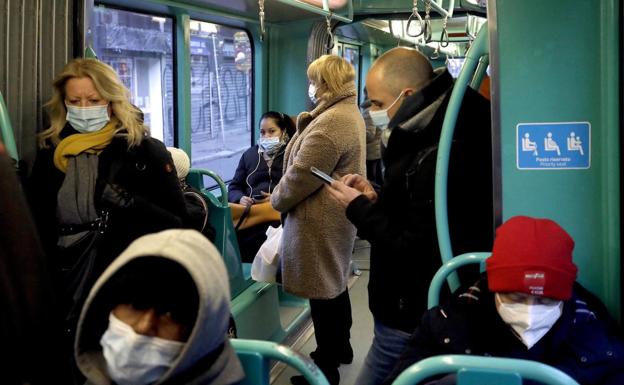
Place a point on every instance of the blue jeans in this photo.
(384, 353)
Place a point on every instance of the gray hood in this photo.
(207, 357)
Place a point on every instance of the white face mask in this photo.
(312, 93)
(530, 322)
(380, 118)
(270, 145)
(87, 119)
(133, 358)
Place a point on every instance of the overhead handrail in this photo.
(415, 15)
(528, 370)
(261, 17)
(325, 11)
(478, 49)
(444, 38)
(7, 130)
(330, 36)
(427, 34)
(437, 6)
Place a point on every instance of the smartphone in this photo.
(258, 197)
(321, 175)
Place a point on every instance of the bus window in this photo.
(221, 65)
(139, 47)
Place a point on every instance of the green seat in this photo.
(477, 370)
(220, 218)
(256, 357)
(255, 305)
(447, 269)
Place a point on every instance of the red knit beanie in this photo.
(532, 256)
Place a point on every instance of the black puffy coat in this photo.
(261, 177)
(582, 343)
(401, 225)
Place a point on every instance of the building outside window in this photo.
(140, 48)
(221, 65)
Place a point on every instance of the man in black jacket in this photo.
(527, 307)
(409, 101)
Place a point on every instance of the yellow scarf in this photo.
(91, 143)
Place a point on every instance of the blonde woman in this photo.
(316, 255)
(99, 180)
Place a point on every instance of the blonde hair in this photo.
(330, 73)
(107, 83)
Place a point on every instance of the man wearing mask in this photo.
(409, 101)
(526, 306)
(159, 314)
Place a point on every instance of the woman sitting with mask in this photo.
(257, 174)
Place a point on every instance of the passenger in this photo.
(99, 180)
(373, 145)
(409, 102)
(159, 314)
(258, 172)
(196, 205)
(30, 328)
(526, 306)
(315, 259)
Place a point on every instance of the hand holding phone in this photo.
(321, 175)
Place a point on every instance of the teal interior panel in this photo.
(288, 82)
(558, 62)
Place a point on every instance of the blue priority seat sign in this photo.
(553, 146)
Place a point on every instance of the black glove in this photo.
(116, 196)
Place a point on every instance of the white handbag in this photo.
(265, 263)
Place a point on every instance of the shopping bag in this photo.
(265, 263)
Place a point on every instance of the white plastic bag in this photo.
(265, 263)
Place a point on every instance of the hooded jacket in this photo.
(207, 357)
(400, 225)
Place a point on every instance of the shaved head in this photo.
(403, 67)
(398, 73)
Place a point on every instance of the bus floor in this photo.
(361, 331)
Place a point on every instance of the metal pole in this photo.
(478, 49)
(214, 51)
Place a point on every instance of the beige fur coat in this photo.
(317, 241)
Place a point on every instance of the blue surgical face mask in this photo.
(87, 119)
(312, 93)
(270, 145)
(135, 359)
(380, 118)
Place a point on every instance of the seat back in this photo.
(448, 268)
(476, 370)
(220, 218)
(256, 356)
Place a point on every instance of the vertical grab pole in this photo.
(478, 49)
(6, 129)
